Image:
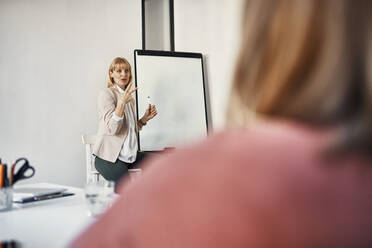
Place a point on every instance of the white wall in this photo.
(54, 56)
(211, 27)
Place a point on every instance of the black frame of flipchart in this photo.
(171, 54)
(171, 24)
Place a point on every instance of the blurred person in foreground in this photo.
(294, 169)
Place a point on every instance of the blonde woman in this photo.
(117, 149)
(296, 169)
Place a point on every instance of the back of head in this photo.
(308, 61)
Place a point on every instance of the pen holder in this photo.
(6, 198)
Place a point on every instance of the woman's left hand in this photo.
(150, 113)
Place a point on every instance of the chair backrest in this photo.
(92, 173)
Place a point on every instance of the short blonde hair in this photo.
(121, 63)
(309, 61)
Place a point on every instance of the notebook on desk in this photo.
(29, 194)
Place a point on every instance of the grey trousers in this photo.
(118, 170)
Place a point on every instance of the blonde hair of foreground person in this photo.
(310, 61)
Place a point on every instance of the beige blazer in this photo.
(111, 133)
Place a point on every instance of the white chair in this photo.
(92, 173)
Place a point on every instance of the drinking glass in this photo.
(99, 196)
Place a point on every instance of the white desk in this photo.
(48, 223)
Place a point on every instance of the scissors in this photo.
(25, 171)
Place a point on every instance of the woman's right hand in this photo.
(126, 96)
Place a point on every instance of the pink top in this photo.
(263, 186)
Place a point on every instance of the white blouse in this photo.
(128, 152)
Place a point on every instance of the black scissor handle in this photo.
(23, 172)
(20, 159)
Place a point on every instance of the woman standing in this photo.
(116, 149)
